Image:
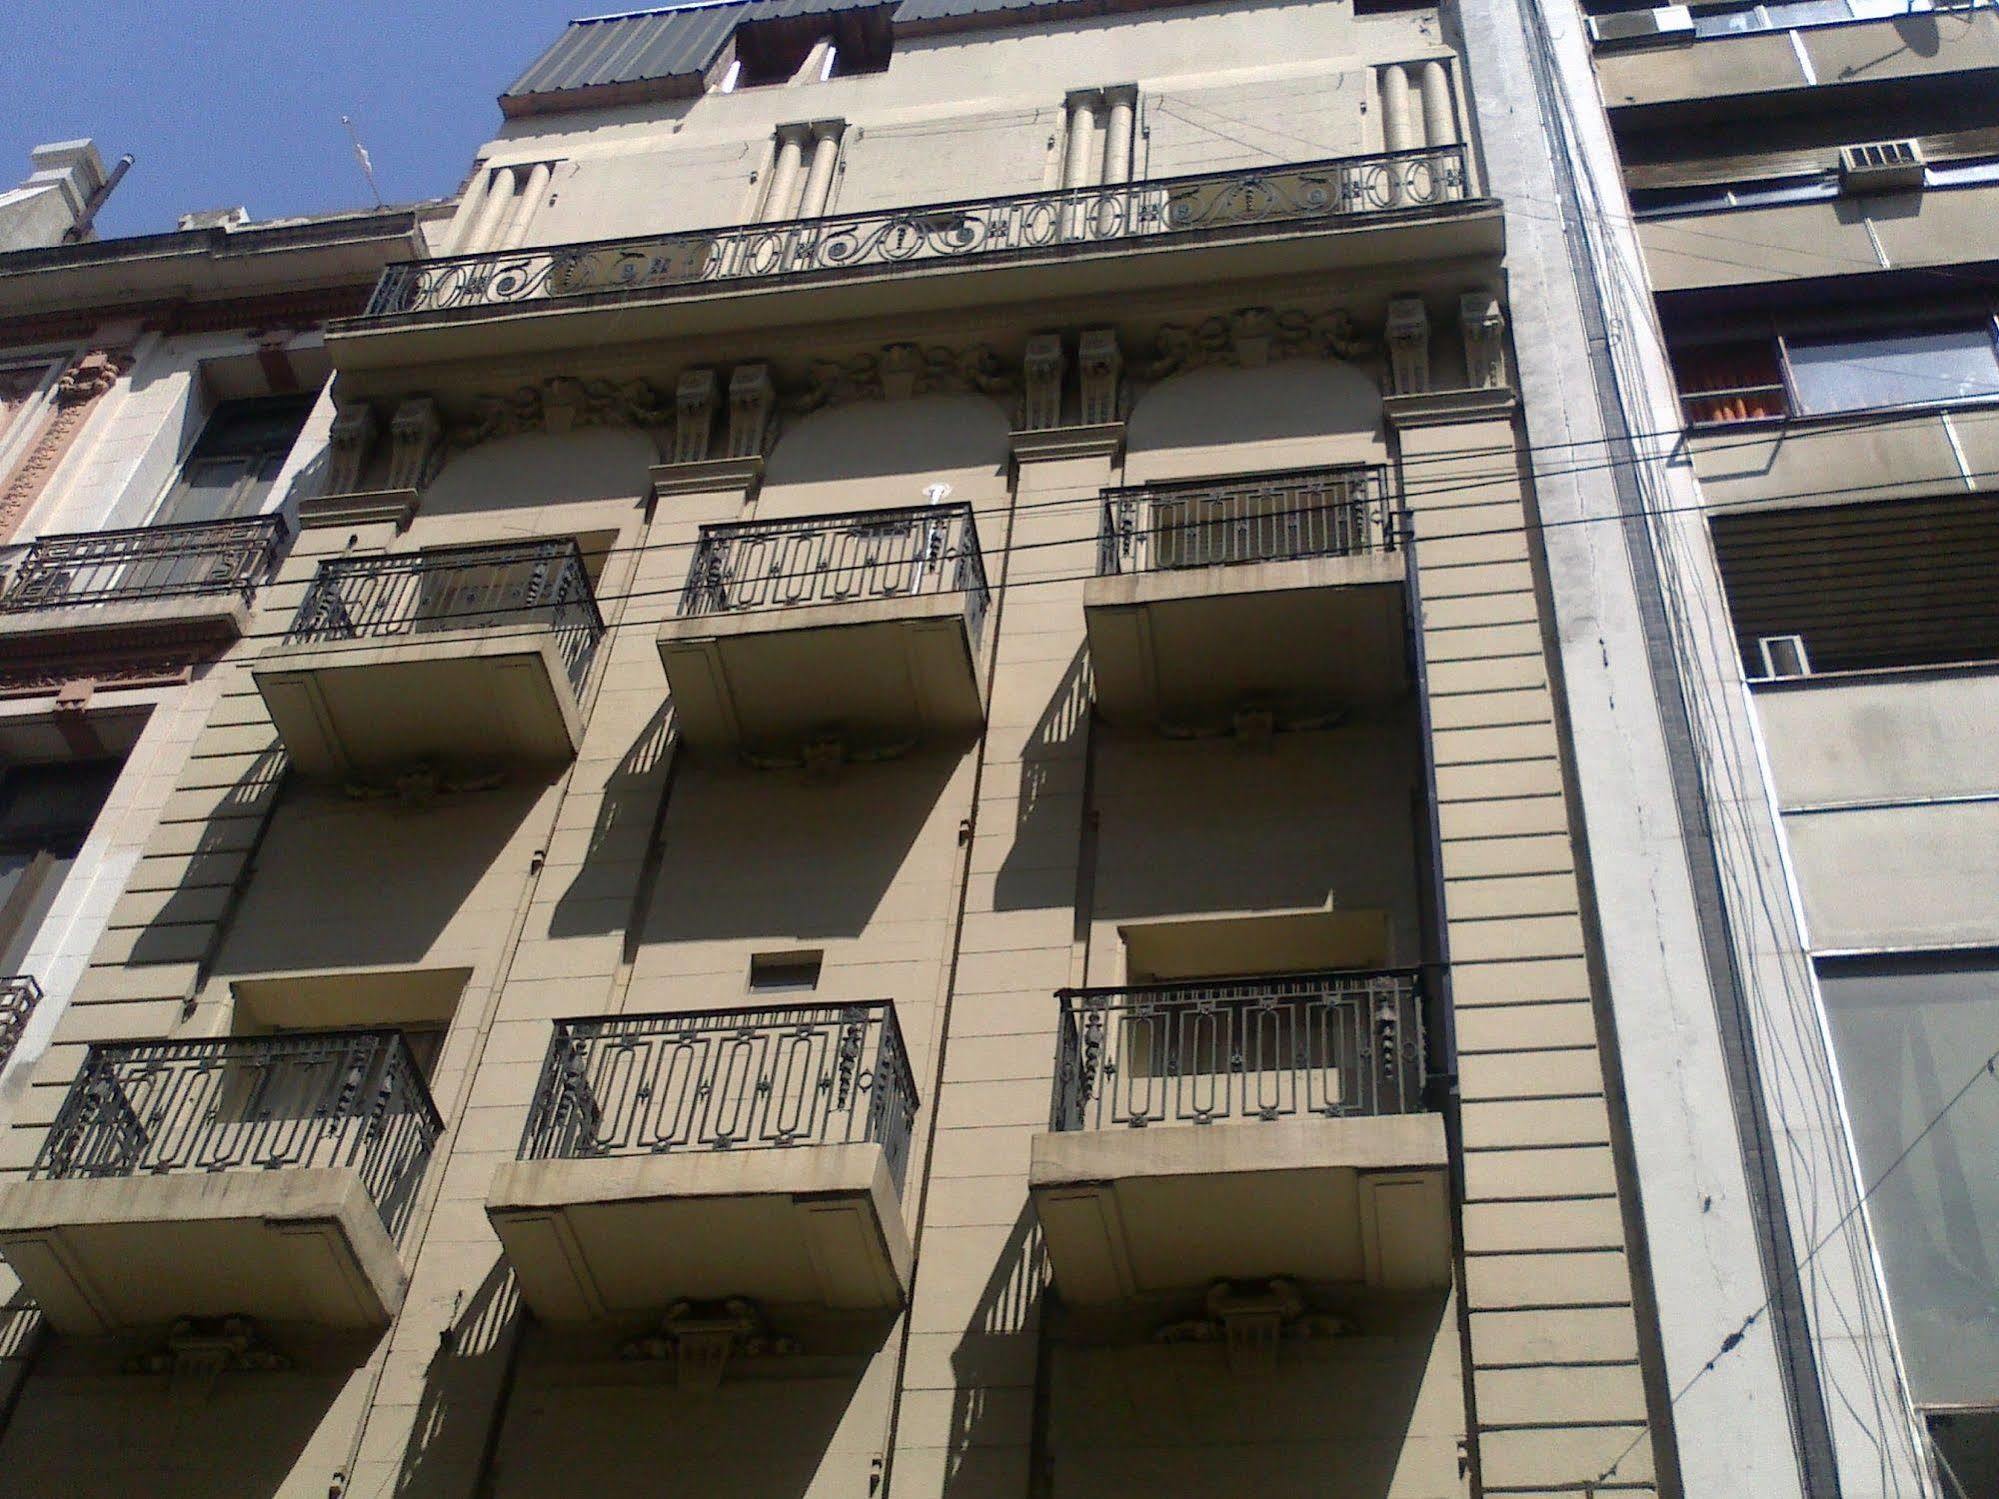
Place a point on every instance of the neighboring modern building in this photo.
(995, 751)
(1800, 259)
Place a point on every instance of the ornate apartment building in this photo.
(974, 748)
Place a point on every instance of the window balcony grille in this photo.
(540, 585)
(1278, 596)
(1332, 1045)
(19, 995)
(755, 1154)
(351, 1099)
(862, 628)
(1338, 512)
(231, 557)
(259, 1176)
(839, 559)
(1296, 194)
(794, 1077)
(1283, 1117)
(458, 655)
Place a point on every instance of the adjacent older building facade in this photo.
(161, 410)
(959, 786)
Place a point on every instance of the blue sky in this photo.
(228, 103)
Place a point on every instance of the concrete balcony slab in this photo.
(1133, 1212)
(872, 673)
(456, 696)
(1304, 638)
(811, 1226)
(104, 1254)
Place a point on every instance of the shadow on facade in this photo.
(241, 818)
(993, 1369)
(598, 897)
(87, 1425)
(345, 879)
(1341, 1417)
(581, 1419)
(1039, 870)
(754, 853)
(457, 1411)
(1309, 820)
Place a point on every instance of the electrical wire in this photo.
(1988, 1068)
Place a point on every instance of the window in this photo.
(1732, 382)
(1813, 373)
(1909, 1032)
(1665, 202)
(46, 811)
(234, 462)
(1858, 372)
(1737, 20)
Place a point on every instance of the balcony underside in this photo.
(1468, 230)
(877, 674)
(1186, 649)
(453, 697)
(810, 1226)
(203, 623)
(1134, 1212)
(104, 1254)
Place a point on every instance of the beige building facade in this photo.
(958, 787)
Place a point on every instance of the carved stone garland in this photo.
(79, 389)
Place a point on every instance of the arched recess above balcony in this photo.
(533, 469)
(908, 445)
(1232, 419)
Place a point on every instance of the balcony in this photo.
(717, 1154)
(456, 654)
(264, 1176)
(19, 994)
(143, 592)
(1277, 594)
(832, 634)
(1292, 218)
(1262, 1127)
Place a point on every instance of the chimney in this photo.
(55, 198)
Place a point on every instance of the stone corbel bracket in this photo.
(701, 1337)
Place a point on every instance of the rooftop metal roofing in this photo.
(647, 53)
(657, 44)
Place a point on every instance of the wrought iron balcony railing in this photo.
(350, 1099)
(536, 585)
(631, 1085)
(151, 562)
(839, 559)
(1263, 518)
(18, 997)
(1295, 194)
(1253, 1049)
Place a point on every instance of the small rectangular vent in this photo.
(782, 972)
(1641, 25)
(1783, 656)
(1880, 167)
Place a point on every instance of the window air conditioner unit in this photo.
(1880, 167)
(1783, 656)
(1641, 25)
